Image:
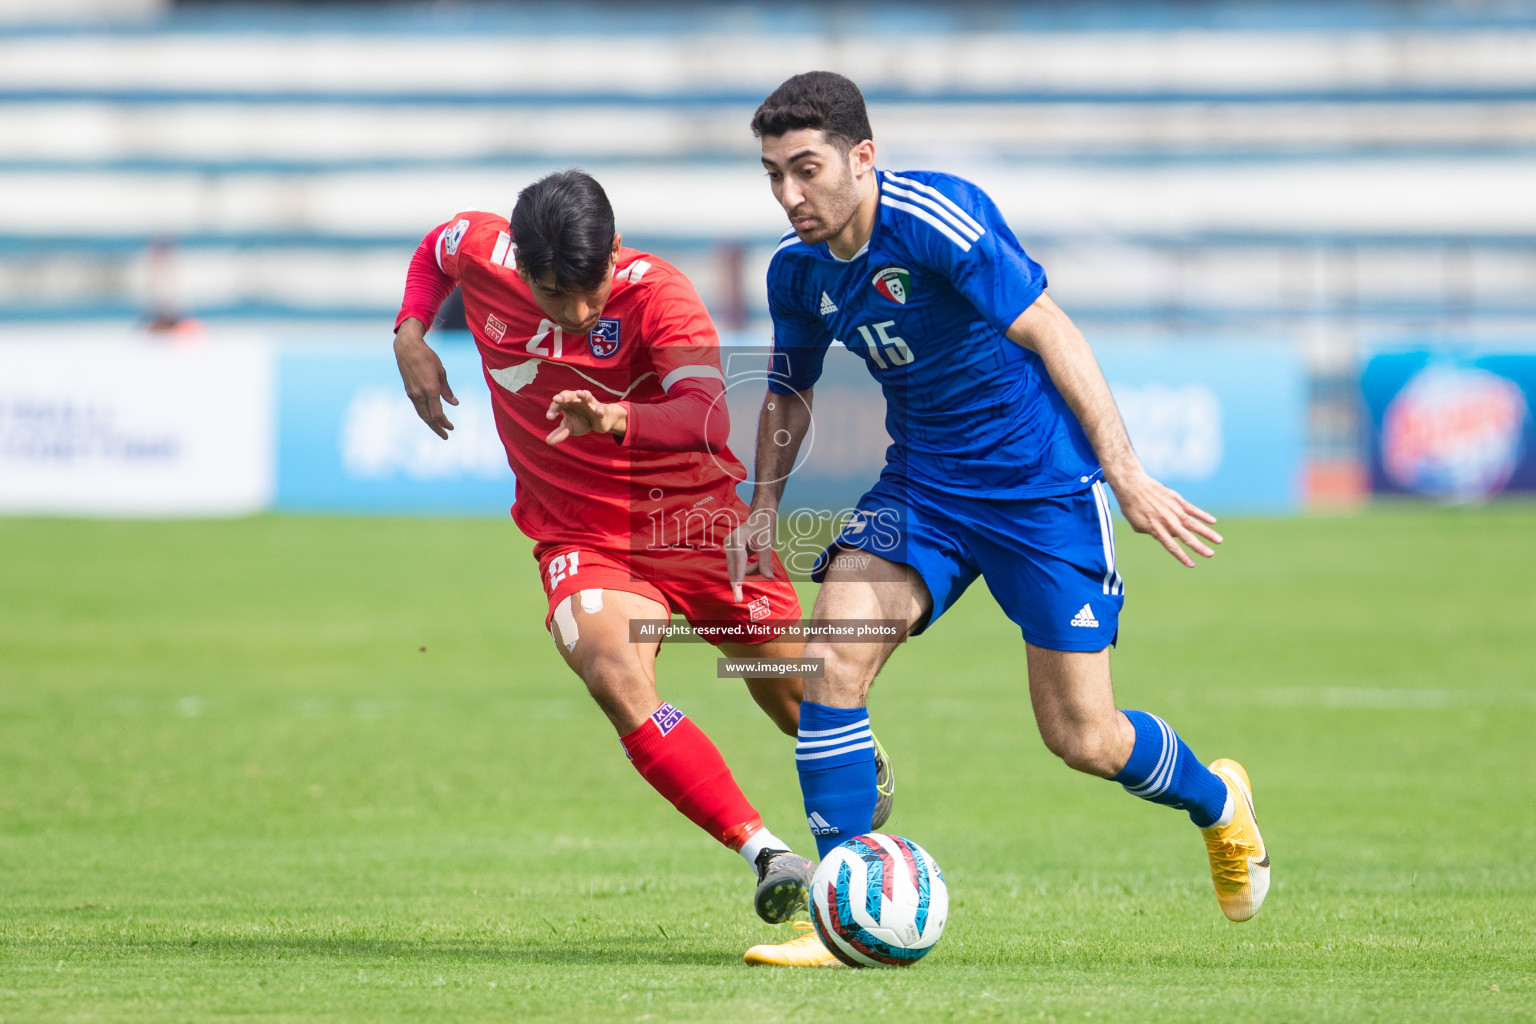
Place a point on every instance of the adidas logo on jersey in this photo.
(1084, 617)
(827, 305)
(820, 826)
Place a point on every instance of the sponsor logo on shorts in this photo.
(666, 718)
(759, 608)
(1084, 617)
(495, 328)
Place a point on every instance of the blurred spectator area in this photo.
(259, 165)
(1325, 173)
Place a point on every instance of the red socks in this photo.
(680, 763)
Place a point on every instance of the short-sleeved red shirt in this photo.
(654, 332)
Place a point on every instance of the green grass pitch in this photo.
(332, 769)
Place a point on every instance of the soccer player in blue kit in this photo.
(1005, 437)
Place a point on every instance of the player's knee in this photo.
(786, 716)
(1083, 750)
(846, 673)
(780, 701)
(613, 678)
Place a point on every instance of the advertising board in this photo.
(1221, 421)
(134, 427)
(349, 439)
(1457, 428)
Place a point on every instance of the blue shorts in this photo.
(1049, 561)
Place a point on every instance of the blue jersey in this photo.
(925, 304)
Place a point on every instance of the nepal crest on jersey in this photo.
(604, 338)
(895, 283)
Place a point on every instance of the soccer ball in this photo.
(879, 901)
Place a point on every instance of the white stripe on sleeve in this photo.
(941, 197)
(684, 372)
(923, 214)
(503, 243)
(965, 229)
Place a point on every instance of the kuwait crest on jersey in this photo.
(604, 338)
(895, 283)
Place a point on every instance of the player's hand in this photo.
(754, 537)
(1153, 508)
(426, 382)
(579, 413)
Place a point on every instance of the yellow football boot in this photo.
(804, 951)
(1239, 859)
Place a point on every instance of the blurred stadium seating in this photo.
(274, 165)
(1327, 174)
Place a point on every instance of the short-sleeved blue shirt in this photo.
(926, 304)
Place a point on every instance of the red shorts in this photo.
(689, 581)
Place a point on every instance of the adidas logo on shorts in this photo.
(1084, 617)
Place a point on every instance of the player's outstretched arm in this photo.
(1149, 506)
(422, 372)
(579, 412)
(781, 428)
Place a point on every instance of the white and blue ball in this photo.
(879, 900)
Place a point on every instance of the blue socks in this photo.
(835, 755)
(1162, 769)
(836, 758)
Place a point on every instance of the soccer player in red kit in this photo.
(604, 371)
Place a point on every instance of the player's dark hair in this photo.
(816, 99)
(563, 224)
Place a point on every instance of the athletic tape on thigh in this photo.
(565, 625)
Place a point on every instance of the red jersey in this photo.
(654, 332)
